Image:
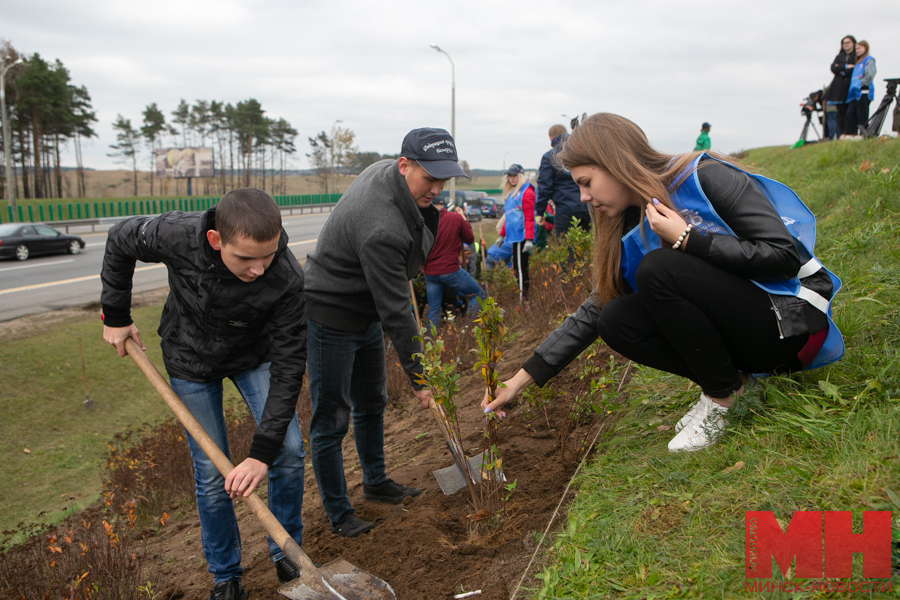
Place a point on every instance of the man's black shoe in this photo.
(286, 570)
(228, 590)
(389, 491)
(351, 526)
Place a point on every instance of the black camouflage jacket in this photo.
(213, 324)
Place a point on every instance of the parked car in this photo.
(21, 240)
(469, 200)
(491, 208)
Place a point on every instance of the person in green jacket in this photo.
(703, 142)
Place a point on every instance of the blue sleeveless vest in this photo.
(515, 218)
(855, 91)
(695, 208)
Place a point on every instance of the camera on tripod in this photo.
(813, 103)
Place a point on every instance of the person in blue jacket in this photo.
(518, 227)
(861, 92)
(700, 269)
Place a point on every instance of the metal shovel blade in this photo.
(452, 478)
(345, 581)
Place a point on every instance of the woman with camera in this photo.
(700, 269)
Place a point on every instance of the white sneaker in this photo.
(698, 407)
(702, 430)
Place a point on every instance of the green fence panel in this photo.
(10, 211)
(41, 212)
(96, 210)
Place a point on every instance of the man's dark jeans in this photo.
(346, 377)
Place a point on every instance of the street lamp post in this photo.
(452, 190)
(7, 141)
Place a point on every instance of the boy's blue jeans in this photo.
(219, 529)
(346, 377)
(460, 281)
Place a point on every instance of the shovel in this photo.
(454, 478)
(450, 479)
(337, 580)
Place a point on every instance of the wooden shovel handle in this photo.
(287, 544)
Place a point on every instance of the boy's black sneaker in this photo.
(228, 590)
(389, 491)
(351, 526)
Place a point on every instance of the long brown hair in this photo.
(865, 45)
(618, 146)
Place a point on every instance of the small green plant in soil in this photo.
(490, 336)
(441, 378)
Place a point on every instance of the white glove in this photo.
(499, 241)
(528, 246)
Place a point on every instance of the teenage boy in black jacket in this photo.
(235, 309)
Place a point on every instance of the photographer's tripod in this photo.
(812, 105)
(873, 126)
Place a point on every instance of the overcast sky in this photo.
(668, 65)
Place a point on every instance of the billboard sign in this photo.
(185, 162)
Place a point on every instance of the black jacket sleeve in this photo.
(561, 347)
(128, 241)
(763, 248)
(840, 64)
(544, 184)
(287, 341)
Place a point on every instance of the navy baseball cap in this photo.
(706, 126)
(435, 150)
(515, 170)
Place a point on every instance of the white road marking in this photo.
(38, 286)
(46, 264)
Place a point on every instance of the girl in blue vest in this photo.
(518, 208)
(861, 92)
(700, 269)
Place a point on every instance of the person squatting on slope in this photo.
(695, 273)
(556, 184)
(442, 268)
(357, 287)
(235, 309)
(518, 209)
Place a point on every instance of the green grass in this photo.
(650, 524)
(41, 395)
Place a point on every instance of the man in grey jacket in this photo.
(374, 242)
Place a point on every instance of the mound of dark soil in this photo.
(427, 546)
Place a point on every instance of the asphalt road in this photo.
(58, 281)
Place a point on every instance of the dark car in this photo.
(21, 240)
(469, 200)
(491, 208)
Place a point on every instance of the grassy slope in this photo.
(41, 394)
(649, 524)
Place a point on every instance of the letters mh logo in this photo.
(828, 554)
